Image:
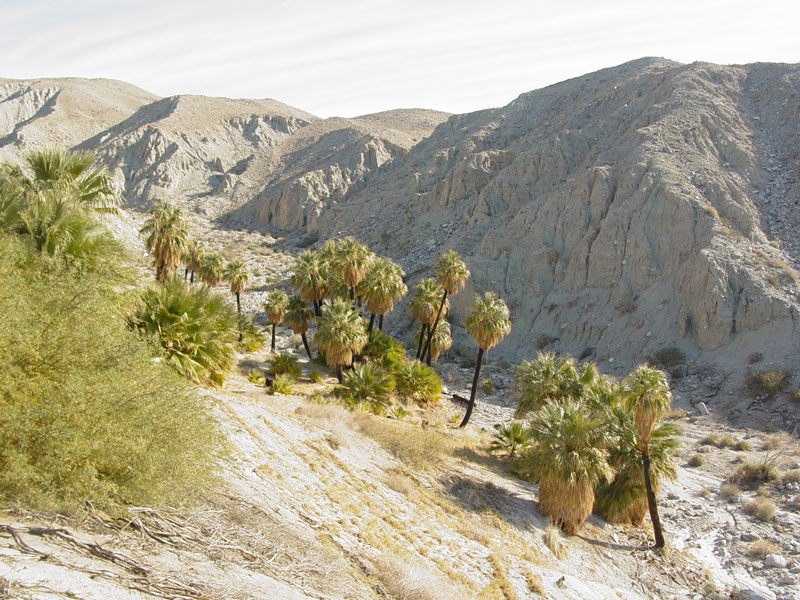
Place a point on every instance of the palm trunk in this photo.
(371, 323)
(426, 351)
(239, 310)
(421, 338)
(185, 273)
(305, 344)
(380, 322)
(651, 502)
(274, 325)
(339, 373)
(191, 277)
(471, 404)
(318, 308)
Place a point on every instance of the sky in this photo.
(352, 57)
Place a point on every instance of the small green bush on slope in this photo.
(86, 414)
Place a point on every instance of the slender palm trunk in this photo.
(239, 310)
(339, 373)
(651, 502)
(274, 325)
(191, 277)
(185, 273)
(471, 404)
(305, 344)
(380, 322)
(371, 323)
(318, 308)
(426, 351)
(353, 296)
(421, 338)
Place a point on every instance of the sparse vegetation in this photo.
(282, 384)
(697, 460)
(552, 539)
(730, 491)
(418, 448)
(314, 376)
(760, 549)
(284, 362)
(766, 383)
(669, 357)
(255, 376)
(761, 508)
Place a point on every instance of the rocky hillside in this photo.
(648, 205)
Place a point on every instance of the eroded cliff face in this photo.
(617, 213)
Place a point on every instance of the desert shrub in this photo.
(195, 328)
(775, 442)
(314, 376)
(760, 549)
(755, 357)
(399, 483)
(796, 395)
(792, 476)
(761, 508)
(669, 357)
(282, 384)
(710, 440)
(366, 384)
(742, 446)
(766, 383)
(543, 340)
(285, 363)
(730, 491)
(751, 473)
(255, 376)
(487, 386)
(697, 460)
(85, 412)
(418, 382)
(553, 540)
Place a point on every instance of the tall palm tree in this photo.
(552, 379)
(567, 457)
(310, 278)
(423, 306)
(276, 305)
(487, 323)
(451, 274)
(298, 316)
(441, 340)
(236, 275)
(340, 334)
(648, 397)
(350, 260)
(72, 174)
(381, 287)
(212, 269)
(166, 237)
(191, 258)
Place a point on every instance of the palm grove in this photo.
(591, 442)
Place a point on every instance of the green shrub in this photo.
(282, 384)
(766, 383)
(796, 395)
(418, 382)
(85, 412)
(314, 376)
(195, 328)
(487, 386)
(285, 363)
(255, 376)
(697, 460)
(383, 350)
(366, 384)
(399, 411)
(669, 357)
(510, 439)
(252, 338)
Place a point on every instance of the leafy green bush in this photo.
(510, 439)
(314, 376)
(418, 382)
(283, 383)
(255, 376)
(383, 350)
(195, 328)
(367, 384)
(252, 338)
(85, 412)
(285, 363)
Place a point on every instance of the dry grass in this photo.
(760, 549)
(399, 483)
(792, 476)
(761, 508)
(697, 460)
(766, 383)
(751, 473)
(730, 491)
(407, 578)
(534, 582)
(552, 539)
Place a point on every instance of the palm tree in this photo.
(487, 323)
(381, 287)
(298, 316)
(624, 499)
(191, 258)
(166, 237)
(567, 457)
(236, 275)
(647, 396)
(310, 278)
(423, 305)
(418, 382)
(441, 341)
(71, 174)
(368, 383)
(340, 334)
(510, 439)
(351, 260)
(451, 274)
(276, 305)
(552, 379)
(212, 269)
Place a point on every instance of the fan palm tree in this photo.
(648, 397)
(276, 305)
(236, 275)
(298, 316)
(567, 457)
(624, 499)
(423, 306)
(310, 278)
(511, 439)
(166, 237)
(441, 341)
(212, 269)
(381, 287)
(418, 382)
(191, 257)
(552, 379)
(487, 323)
(368, 384)
(350, 261)
(451, 274)
(71, 174)
(340, 334)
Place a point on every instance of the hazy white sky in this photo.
(350, 57)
